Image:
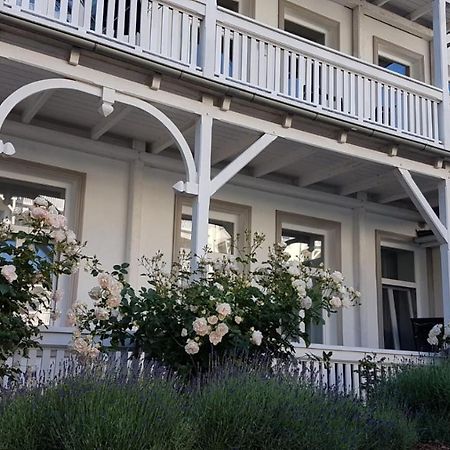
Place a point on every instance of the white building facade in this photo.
(163, 125)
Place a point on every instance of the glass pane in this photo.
(399, 307)
(220, 235)
(297, 243)
(394, 66)
(397, 264)
(17, 196)
(304, 32)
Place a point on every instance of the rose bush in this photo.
(181, 318)
(439, 336)
(32, 258)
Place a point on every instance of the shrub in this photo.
(423, 392)
(88, 412)
(182, 317)
(238, 406)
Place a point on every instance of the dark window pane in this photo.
(304, 32)
(394, 66)
(229, 4)
(397, 264)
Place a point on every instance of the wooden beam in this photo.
(278, 162)
(326, 172)
(366, 183)
(104, 125)
(30, 112)
(422, 205)
(421, 11)
(381, 2)
(241, 161)
(164, 145)
(400, 195)
(444, 212)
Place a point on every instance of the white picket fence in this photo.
(343, 373)
(250, 56)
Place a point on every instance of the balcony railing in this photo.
(250, 56)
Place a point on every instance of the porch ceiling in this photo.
(283, 161)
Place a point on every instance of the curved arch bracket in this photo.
(108, 96)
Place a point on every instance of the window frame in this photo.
(402, 242)
(396, 53)
(312, 20)
(331, 232)
(74, 184)
(242, 212)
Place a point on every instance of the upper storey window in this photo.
(304, 32)
(394, 66)
(308, 24)
(232, 5)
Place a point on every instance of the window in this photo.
(309, 25)
(394, 66)
(398, 59)
(399, 302)
(232, 5)
(304, 32)
(21, 182)
(322, 239)
(226, 222)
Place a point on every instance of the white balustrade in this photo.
(250, 56)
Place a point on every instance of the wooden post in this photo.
(444, 213)
(200, 209)
(208, 39)
(441, 67)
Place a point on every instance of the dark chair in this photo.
(421, 328)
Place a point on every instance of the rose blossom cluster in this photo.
(85, 346)
(107, 299)
(214, 328)
(439, 335)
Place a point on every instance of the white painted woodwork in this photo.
(243, 53)
(422, 205)
(164, 145)
(444, 214)
(104, 125)
(200, 206)
(34, 107)
(278, 162)
(366, 184)
(323, 173)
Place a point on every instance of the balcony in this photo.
(240, 53)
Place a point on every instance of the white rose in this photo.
(101, 313)
(335, 302)
(337, 277)
(71, 318)
(294, 271)
(306, 254)
(191, 348)
(346, 302)
(113, 301)
(104, 280)
(95, 293)
(301, 292)
(184, 332)
(40, 201)
(115, 288)
(218, 286)
(58, 235)
(238, 319)
(447, 330)
(222, 329)
(433, 340)
(436, 330)
(256, 337)
(223, 309)
(56, 220)
(296, 283)
(200, 326)
(306, 302)
(212, 320)
(57, 295)
(38, 213)
(71, 237)
(9, 272)
(215, 338)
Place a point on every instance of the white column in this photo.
(441, 67)
(134, 221)
(444, 213)
(200, 209)
(208, 39)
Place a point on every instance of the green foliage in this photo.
(182, 317)
(32, 258)
(234, 406)
(423, 392)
